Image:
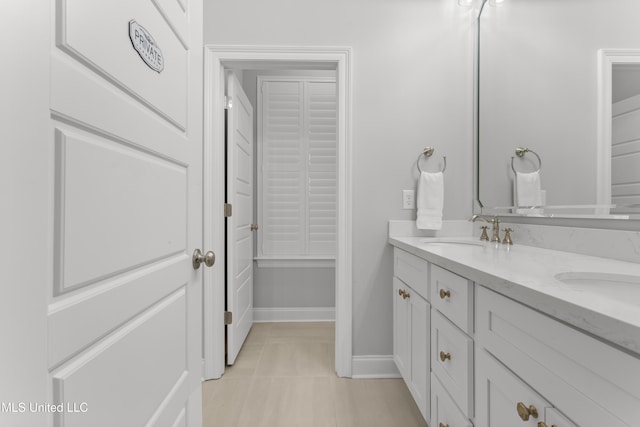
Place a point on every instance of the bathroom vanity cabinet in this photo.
(474, 357)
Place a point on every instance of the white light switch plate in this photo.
(408, 199)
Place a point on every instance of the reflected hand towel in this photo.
(527, 191)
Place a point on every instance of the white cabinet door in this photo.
(400, 328)
(412, 342)
(420, 351)
(502, 399)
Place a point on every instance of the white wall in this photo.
(412, 87)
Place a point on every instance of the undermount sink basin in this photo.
(622, 287)
(453, 241)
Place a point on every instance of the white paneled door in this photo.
(239, 283)
(124, 212)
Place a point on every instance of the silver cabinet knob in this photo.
(209, 259)
(254, 227)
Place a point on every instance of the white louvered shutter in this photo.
(321, 136)
(298, 169)
(283, 216)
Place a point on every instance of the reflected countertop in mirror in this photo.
(545, 82)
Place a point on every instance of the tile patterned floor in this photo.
(284, 376)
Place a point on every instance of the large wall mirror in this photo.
(560, 79)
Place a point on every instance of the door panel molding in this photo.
(108, 52)
(131, 293)
(101, 185)
(93, 377)
(158, 133)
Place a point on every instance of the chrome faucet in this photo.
(495, 222)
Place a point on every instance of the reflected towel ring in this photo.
(428, 152)
(520, 151)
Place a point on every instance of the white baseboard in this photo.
(294, 314)
(374, 367)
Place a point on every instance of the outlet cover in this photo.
(408, 199)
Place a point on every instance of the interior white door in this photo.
(239, 292)
(124, 312)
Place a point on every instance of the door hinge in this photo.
(228, 317)
(227, 210)
(228, 103)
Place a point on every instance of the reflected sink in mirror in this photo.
(453, 241)
(621, 287)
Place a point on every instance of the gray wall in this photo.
(412, 87)
(294, 287)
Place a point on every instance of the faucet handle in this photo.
(507, 236)
(484, 235)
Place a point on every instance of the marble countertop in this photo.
(526, 274)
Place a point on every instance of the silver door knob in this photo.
(209, 259)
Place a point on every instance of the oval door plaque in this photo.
(146, 46)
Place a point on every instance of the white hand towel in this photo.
(430, 200)
(527, 191)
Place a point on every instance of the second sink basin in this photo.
(621, 287)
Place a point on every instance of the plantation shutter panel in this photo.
(283, 176)
(298, 169)
(321, 134)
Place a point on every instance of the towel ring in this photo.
(428, 152)
(520, 151)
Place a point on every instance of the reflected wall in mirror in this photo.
(543, 84)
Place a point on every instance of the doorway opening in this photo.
(219, 59)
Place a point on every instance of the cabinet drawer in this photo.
(453, 296)
(413, 271)
(444, 412)
(591, 382)
(452, 356)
